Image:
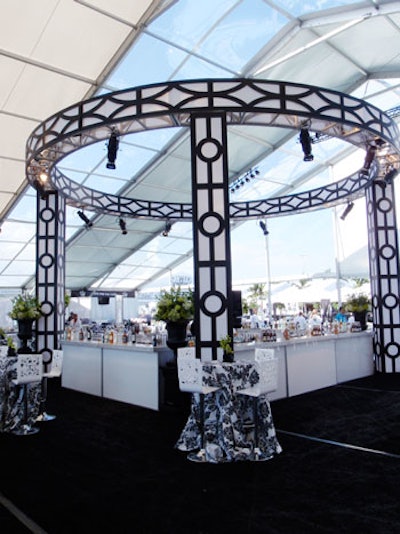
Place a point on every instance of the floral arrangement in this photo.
(175, 305)
(357, 303)
(25, 307)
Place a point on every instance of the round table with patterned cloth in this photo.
(11, 397)
(227, 436)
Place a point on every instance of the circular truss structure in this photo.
(244, 102)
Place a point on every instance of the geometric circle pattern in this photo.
(211, 230)
(387, 252)
(385, 205)
(46, 261)
(392, 350)
(384, 275)
(211, 224)
(47, 308)
(47, 355)
(390, 301)
(213, 303)
(50, 275)
(209, 150)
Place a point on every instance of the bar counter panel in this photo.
(127, 373)
(82, 368)
(351, 357)
(131, 377)
(134, 373)
(310, 363)
(311, 366)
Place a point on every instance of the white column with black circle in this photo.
(211, 234)
(50, 272)
(384, 275)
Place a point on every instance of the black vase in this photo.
(176, 334)
(25, 332)
(361, 317)
(11, 352)
(228, 357)
(176, 339)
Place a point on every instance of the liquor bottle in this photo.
(124, 337)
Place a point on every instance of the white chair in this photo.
(29, 371)
(54, 372)
(190, 375)
(267, 367)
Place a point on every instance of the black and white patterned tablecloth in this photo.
(227, 437)
(11, 397)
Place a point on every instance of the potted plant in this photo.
(359, 304)
(175, 305)
(12, 349)
(25, 306)
(176, 308)
(226, 344)
(25, 309)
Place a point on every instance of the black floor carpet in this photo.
(107, 467)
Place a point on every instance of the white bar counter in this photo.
(133, 373)
(127, 373)
(310, 363)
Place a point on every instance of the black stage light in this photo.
(369, 158)
(305, 141)
(263, 226)
(167, 229)
(112, 150)
(391, 173)
(43, 176)
(347, 210)
(85, 219)
(122, 225)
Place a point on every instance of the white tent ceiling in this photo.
(54, 53)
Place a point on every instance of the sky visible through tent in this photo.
(223, 39)
(299, 245)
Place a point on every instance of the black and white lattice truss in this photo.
(244, 102)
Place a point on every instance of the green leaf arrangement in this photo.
(25, 306)
(175, 305)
